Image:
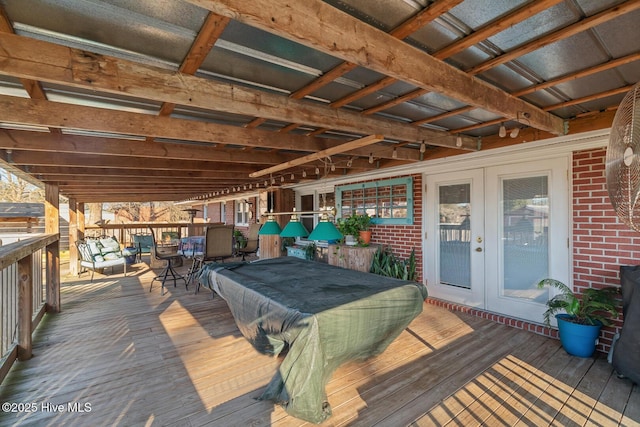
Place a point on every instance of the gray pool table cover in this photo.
(319, 316)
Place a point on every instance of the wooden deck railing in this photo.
(23, 296)
(29, 281)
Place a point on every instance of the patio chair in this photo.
(218, 245)
(253, 241)
(168, 272)
(143, 243)
(98, 254)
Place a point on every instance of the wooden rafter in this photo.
(87, 70)
(47, 113)
(347, 146)
(33, 87)
(336, 33)
(406, 28)
(578, 27)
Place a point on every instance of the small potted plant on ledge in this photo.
(364, 222)
(349, 228)
(355, 228)
(579, 326)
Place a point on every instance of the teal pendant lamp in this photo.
(294, 227)
(270, 227)
(325, 230)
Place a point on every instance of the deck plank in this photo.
(140, 358)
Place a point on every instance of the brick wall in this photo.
(403, 238)
(601, 242)
(230, 212)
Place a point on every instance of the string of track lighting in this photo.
(328, 164)
(325, 229)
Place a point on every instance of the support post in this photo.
(25, 307)
(73, 237)
(52, 226)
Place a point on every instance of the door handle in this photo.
(478, 249)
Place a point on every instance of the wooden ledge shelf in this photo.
(352, 257)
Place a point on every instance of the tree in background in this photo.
(14, 189)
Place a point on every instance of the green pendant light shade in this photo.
(325, 230)
(294, 228)
(270, 227)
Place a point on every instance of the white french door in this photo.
(455, 237)
(493, 233)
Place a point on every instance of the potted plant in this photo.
(352, 227)
(349, 228)
(579, 326)
(364, 222)
(239, 239)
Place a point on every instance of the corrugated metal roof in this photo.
(554, 43)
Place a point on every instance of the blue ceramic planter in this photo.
(577, 340)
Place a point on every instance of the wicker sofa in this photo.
(100, 253)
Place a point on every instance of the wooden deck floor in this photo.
(139, 358)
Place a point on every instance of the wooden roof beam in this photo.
(336, 33)
(82, 69)
(358, 143)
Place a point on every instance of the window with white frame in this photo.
(242, 212)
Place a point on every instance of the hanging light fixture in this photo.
(503, 131)
(270, 227)
(423, 147)
(514, 132)
(394, 154)
(458, 141)
(294, 227)
(325, 230)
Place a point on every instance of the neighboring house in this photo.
(12, 231)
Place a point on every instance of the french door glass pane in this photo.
(455, 235)
(525, 243)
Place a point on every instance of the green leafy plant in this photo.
(286, 242)
(241, 240)
(385, 263)
(363, 221)
(348, 226)
(352, 225)
(593, 307)
(310, 251)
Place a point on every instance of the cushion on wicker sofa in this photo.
(97, 254)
